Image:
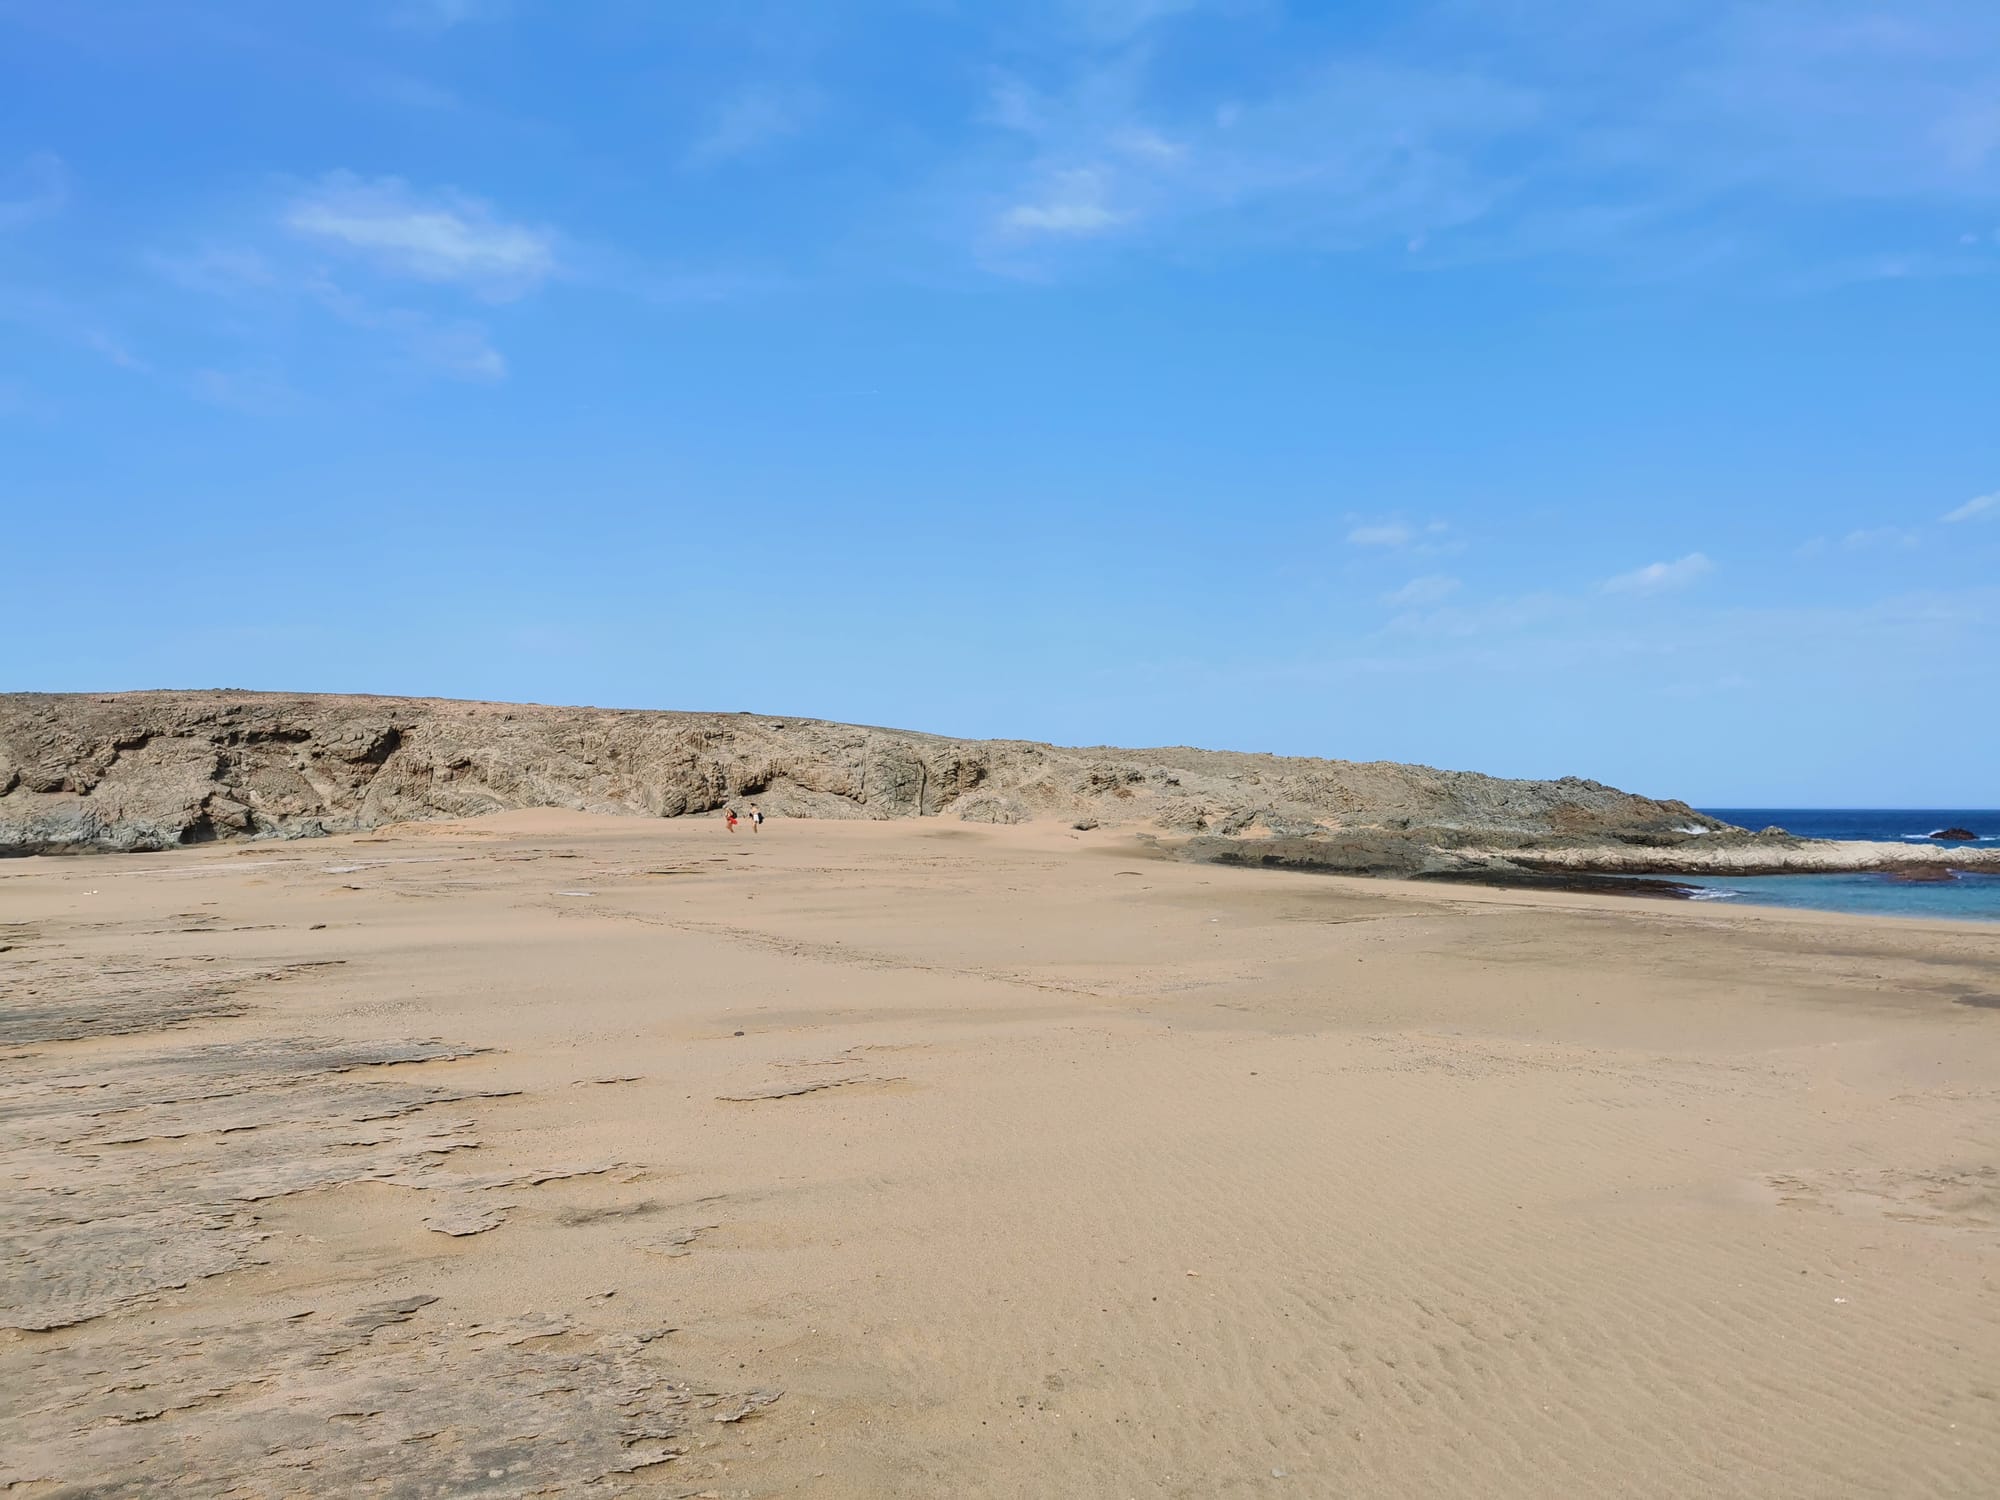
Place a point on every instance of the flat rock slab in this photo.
(87, 1228)
(467, 1216)
(792, 1089)
(386, 1399)
(66, 1000)
(678, 1242)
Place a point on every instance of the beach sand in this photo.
(917, 1159)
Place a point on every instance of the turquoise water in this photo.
(1965, 897)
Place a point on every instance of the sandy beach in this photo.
(546, 1153)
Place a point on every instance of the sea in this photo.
(1965, 897)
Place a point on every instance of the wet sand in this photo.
(542, 1153)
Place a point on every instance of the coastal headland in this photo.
(158, 770)
(550, 1152)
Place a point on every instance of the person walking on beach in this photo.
(756, 819)
(732, 820)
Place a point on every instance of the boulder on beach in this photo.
(1955, 833)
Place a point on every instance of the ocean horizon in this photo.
(1966, 896)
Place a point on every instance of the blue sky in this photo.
(1514, 385)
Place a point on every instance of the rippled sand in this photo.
(545, 1154)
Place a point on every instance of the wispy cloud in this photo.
(443, 237)
(1070, 203)
(1879, 539)
(386, 258)
(1661, 577)
(215, 269)
(1984, 507)
(258, 392)
(442, 15)
(455, 347)
(1382, 534)
(35, 188)
(1432, 588)
(1431, 537)
(408, 91)
(1489, 618)
(111, 349)
(59, 319)
(266, 282)
(1472, 131)
(1118, 20)
(749, 122)
(1359, 150)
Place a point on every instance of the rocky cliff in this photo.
(130, 771)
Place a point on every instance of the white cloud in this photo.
(442, 15)
(1878, 538)
(57, 318)
(1073, 204)
(459, 349)
(1384, 534)
(1356, 150)
(256, 391)
(747, 123)
(445, 238)
(112, 349)
(217, 270)
(1480, 130)
(1148, 144)
(38, 188)
(1115, 20)
(315, 249)
(1985, 505)
(1432, 588)
(1659, 577)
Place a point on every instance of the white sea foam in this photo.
(1690, 828)
(1713, 895)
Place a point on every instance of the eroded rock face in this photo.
(134, 771)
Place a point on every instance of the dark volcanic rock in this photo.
(1923, 875)
(1963, 835)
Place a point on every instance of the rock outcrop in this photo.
(141, 771)
(136, 771)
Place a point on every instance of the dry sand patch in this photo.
(1015, 1171)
